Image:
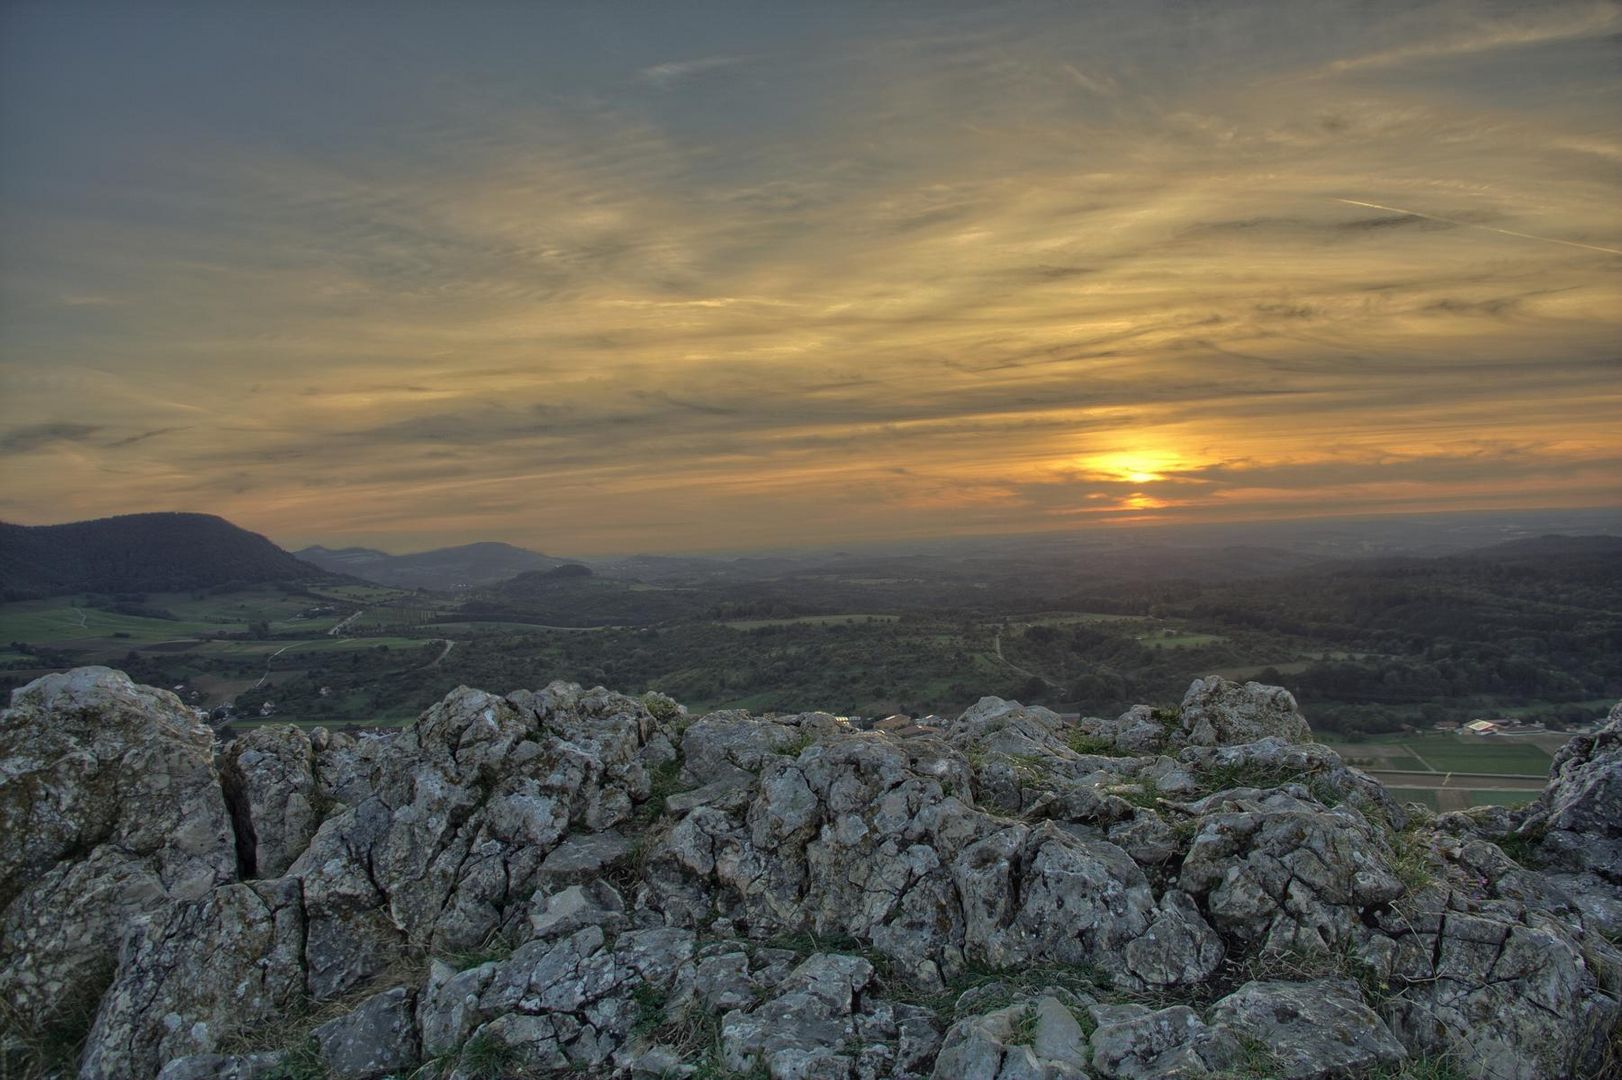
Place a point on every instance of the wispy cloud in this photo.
(31, 437)
(675, 71)
(1541, 25)
(945, 274)
(1474, 225)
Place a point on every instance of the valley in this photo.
(1383, 651)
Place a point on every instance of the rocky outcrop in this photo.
(198, 972)
(1312, 1029)
(565, 880)
(110, 812)
(269, 780)
(1576, 824)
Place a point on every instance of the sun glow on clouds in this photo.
(1134, 466)
(914, 273)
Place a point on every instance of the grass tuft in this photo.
(1427, 1067)
(662, 707)
(650, 1004)
(494, 948)
(1083, 743)
(663, 782)
(694, 1034)
(485, 1057)
(1227, 777)
(1256, 1062)
(35, 1048)
(1522, 848)
(800, 743)
(1167, 717)
(302, 1062)
(1411, 860)
(1024, 1033)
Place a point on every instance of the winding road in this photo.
(271, 657)
(349, 619)
(330, 633)
(996, 644)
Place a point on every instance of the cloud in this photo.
(131, 440)
(922, 283)
(667, 75)
(23, 440)
(1538, 27)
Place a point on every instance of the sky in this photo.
(612, 277)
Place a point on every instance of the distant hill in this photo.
(1604, 549)
(466, 566)
(140, 553)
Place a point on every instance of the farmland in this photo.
(1450, 771)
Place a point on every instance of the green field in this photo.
(1424, 796)
(808, 620)
(1060, 619)
(360, 594)
(1473, 753)
(60, 620)
(1443, 752)
(1251, 671)
(451, 629)
(319, 644)
(1486, 797)
(1395, 761)
(1178, 641)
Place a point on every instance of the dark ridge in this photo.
(140, 553)
(461, 567)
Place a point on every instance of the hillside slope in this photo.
(568, 882)
(140, 553)
(458, 567)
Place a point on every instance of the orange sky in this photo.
(598, 280)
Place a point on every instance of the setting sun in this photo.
(1135, 467)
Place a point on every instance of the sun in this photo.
(1133, 466)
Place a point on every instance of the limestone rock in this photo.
(502, 862)
(1584, 794)
(821, 1023)
(1007, 727)
(1034, 1039)
(1311, 1029)
(110, 809)
(466, 806)
(269, 780)
(1281, 873)
(803, 1029)
(564, 1003)
(1218, 712)
(1177, 949)
(376, 1039)
(724, 745)
(262, 1066)
(1141, 730)
(1509, 1000)
(1286, 762)
(207, 969)
(1133, 1042)
(1576, 823)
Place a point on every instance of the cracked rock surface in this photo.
(563, 882)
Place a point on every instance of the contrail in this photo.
(1473, 225)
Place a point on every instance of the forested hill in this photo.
(1543, 585)
(461, 567)
(140, 553)
(1535, 620)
